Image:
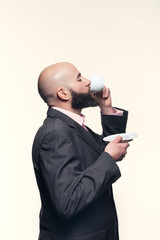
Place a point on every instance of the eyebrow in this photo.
(79, 75)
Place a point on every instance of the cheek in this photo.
(78, 88)
(83, 88)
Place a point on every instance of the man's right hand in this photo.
(117, 149)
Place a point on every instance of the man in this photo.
(74, 168)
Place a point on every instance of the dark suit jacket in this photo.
(75, 177)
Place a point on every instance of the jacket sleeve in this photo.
(113, 124)
(71, 189)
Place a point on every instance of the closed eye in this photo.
(79, 77)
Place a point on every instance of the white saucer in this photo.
(126, 137)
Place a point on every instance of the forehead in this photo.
(73, 72)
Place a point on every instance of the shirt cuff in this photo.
(116, 112)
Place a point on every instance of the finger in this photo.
(99, 94)
(102, 93)
(106, 92)
(125, 145)
(121, 158)
(124, 141)
(118, 139)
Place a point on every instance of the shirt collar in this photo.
(78, 118)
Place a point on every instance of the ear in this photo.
(62, 94)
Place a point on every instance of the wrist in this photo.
(107, 110)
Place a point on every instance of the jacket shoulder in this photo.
(50, 125)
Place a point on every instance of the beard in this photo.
(82, 100)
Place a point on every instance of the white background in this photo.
(118, 40)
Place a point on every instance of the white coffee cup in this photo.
(97, 83)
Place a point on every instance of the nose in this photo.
(87, 82)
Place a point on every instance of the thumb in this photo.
(118, 139)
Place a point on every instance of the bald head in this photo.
(52, 78)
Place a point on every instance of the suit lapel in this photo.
(81, 132)
(88, 138)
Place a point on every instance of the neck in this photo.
(68, 108)
(77, 111)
